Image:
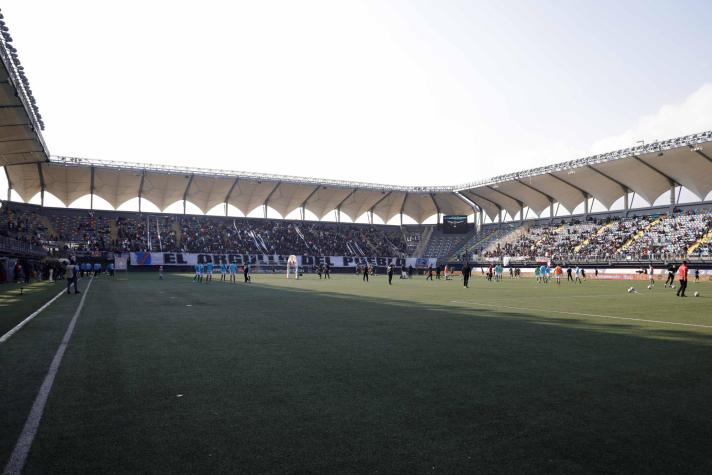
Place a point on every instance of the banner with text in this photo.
(265, 260)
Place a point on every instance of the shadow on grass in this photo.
(17, 301)
(666, 329)
(276, 379)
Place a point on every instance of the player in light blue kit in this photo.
(223, 271)
(196, 277)
(209, 273)
(233, 272)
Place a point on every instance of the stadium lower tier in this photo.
(83, 230)
(649, 235)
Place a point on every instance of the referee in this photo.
(466, 271)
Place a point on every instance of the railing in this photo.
(13, 246)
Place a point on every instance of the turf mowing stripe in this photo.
(27, 320)
(24, 442)
(544, 310)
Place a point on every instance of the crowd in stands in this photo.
(670, 237)
(211, 234)
(96, 231)
(704, 250)
(560, 240)
(85, 229)
(22, 226)
(656, 237)
(609, 242)
(653, 237)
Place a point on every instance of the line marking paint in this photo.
(27, 436)
(545, 310)
(27, 320)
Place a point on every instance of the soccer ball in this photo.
(672, 287)
(650, 286)
(631, 290)
(697, 294)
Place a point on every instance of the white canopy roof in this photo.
(118, 182)
(649, 171)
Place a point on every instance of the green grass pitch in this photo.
(341, 376)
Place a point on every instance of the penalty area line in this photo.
(579, 314)
(29, 431)
(27, 320)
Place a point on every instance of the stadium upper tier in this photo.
(647, 170)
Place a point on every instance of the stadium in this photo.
(523, 323)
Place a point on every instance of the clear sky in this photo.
(401, 92)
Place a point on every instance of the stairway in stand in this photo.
(640, 233)
(585, 242)
(424, 240)
(699, 242)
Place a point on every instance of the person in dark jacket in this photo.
(466, 271)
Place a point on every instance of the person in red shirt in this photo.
(682, 277)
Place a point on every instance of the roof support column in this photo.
(673, 201)
(437, 206)
(140, 189)
(42, 183)
(9, 183)
(227, 196)
(338, 207)
(551, 212)
(585, 207)
(91, 190)
(306, 200)
(521, 213)
(402, 208)
(626, 203)
(185, 193)
(269, 197)
(385, 195)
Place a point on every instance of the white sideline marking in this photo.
(584, 314)
(17, 327)
(24, 442)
